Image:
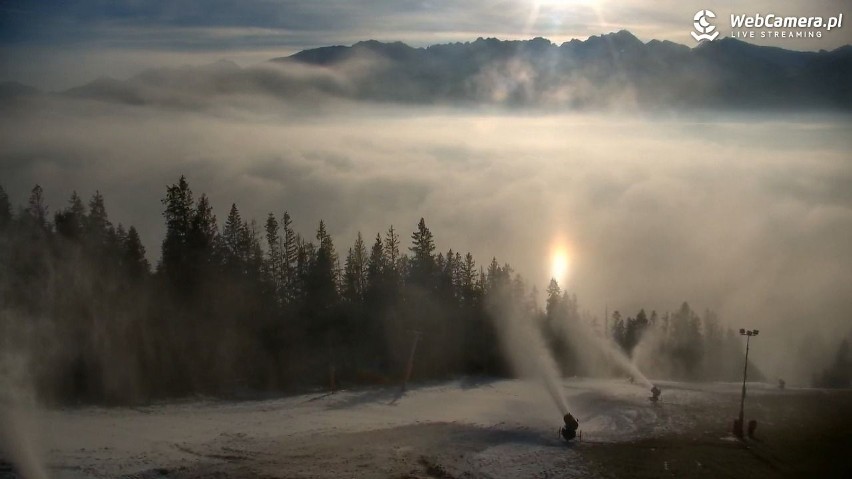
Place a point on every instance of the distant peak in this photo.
(622, 37)
(378, 44)
(623, 34)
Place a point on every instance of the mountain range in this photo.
(615, 70)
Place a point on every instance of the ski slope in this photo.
(485, 428)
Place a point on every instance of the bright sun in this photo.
(559, 263)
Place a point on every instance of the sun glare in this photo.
(559, 264)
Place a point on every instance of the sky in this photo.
(56, 45)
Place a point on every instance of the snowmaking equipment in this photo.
(569, 430)
(655, 394)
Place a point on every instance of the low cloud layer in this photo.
(613, 72)
(748, 216)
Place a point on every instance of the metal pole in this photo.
(411, 360)
(745, 372)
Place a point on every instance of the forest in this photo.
(244, 309)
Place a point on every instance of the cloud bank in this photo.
(747, 215)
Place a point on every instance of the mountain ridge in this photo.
(609, 70)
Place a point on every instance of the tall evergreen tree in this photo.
(135, 264)
(375, 265)
(97, 223)
(178, 214)
(554, 294)
(289, 256)
(391, 248)
(202, 238)
(273, 254)
(322, 286)
(5, 209)
(234, 237)
(423, 255)
(70, 222)
(355, 271)
(36, 207)
(468, 280)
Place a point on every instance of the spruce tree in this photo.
(36, 208)
(5, 209)
(178, 214)
(423, 258)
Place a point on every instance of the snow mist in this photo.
(615, 355)
(17, 422)
(526, 350)
(596, 354)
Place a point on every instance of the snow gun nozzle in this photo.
(655, 394)
(569, 430)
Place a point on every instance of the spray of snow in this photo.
(17, 413)
(616, 356)
(526, 350)
(597, 354)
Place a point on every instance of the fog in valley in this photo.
(748, 215)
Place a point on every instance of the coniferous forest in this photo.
(237, 308)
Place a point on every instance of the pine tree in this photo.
(252, 251)
(634, 330)
(375, 264)
(618, 330)
(289, 258)
(178, 214)
(234, 236)
(70, 222)
(202, 239)
(468, 280)
(305, 257)
(135, 263)
(36, 207)
(97, 223)
(354, 276)
(423, 257)
(617, 335)
(391, 248)
(5, 209)
(448, 275)
(273, 253)
(322, 286)
(359, 266)
(554, 294)
(492, 276)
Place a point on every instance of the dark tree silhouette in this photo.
(235, 309)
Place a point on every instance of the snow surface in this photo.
(112, 442)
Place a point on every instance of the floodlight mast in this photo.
(748, 334)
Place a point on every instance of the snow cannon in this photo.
(655, 394)
(569, 430)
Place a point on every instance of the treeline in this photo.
(680, 345)
(838, 374)
(241, 308)
(244, 308)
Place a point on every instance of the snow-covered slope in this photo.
(499, 428)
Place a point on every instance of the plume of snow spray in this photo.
(526, 350)
(17, 422)
(595, 350)
(615, 355)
